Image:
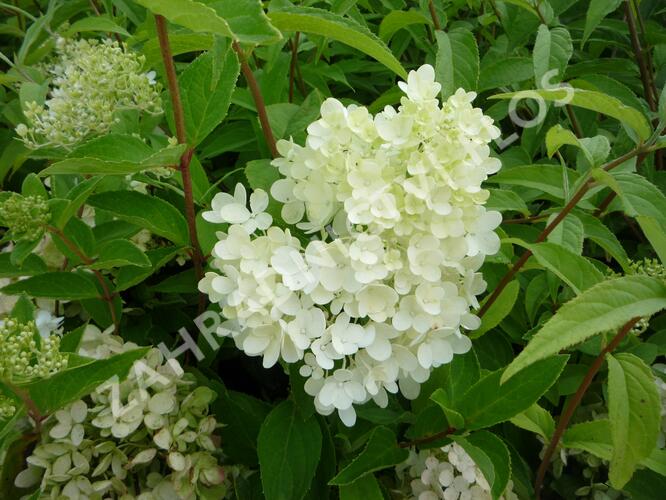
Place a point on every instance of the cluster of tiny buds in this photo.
(25, 216)
(7, 407)
(24, 355)
(91, 80)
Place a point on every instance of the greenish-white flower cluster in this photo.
(25, 216)
(91, 80)
(149, 437)
(386, 292)
(447, 473)
(26, 355)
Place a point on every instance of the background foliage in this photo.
(581, 192)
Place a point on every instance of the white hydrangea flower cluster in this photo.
(149, 437)
(382, 295)
(91, 80)
(447, 473)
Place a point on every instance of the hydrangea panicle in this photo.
(150, 437)
(385, 293)
(90, 79)
(447, 473)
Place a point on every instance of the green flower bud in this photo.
(25, 216)
(22, 358)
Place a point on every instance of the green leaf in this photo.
(453, 379)
(247, 20)
(498, 310)
(537, 420)
(32, 265)
(56, 285)
(69, 385)
(446, 404)
(576, 271)
(261, 174)
(558, 136)
(289, 449)
(569, 233)
(491, 456)
(596, 11)
(71, 340)
(155, 214)
(345, 30)
(206, 86)
(655, 235)
(552, 51)
(596, 231)
(96, 23)
(595, 437)
(457, 61)
(546, 178)
(243, 20)
(380, 452)
(24, 310)
(33, 186)
(634, 408)
(77, 197)
(504, 71)
(504, 200)
(365, 487)
(638, 195)
(489, 402)
(118, 253)
(605, 306)
(115, 154)
(129, 276)
(399, 19)
(242, 416)
(589, 99)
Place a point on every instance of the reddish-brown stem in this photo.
(525, 220)
(428, 439)
(30, 405)
(294, 73)
(433, 14)
(648, 56)
(179, 120)
(258, 99)
(640, 58)
(574, 121)
(605, 203)
(578, 195)
(575, 400)
(107, 296)
(645, 66)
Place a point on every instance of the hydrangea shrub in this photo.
(332, 250)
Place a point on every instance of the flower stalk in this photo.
(258, 99)
(179, 119)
